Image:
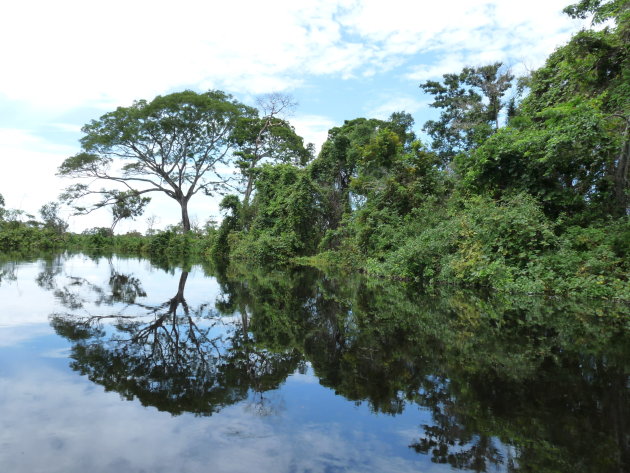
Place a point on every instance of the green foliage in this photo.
(286, 217)
(23, 237)
(96, 238)
(50, 216)
(127, 205)
(563, 159)
(601, 10)
(583, 94)
(471, 104)
(510, 245)
(220, 249)
(337, 164)
(173, 144)
(268, 139)
(18, 234)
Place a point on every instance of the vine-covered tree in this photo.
(176, 144)
(570, 144)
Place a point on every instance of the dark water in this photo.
(115, 365)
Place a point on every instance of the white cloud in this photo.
(313, 128)
(66, 127)
(29, 163)
(70, 53)
(393, 104)
(448, 64)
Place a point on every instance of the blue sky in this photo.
(69, 61)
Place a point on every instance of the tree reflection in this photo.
(8, 271)
(518, 384)
(171, 356)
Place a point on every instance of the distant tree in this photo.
(128, 205)
(176, 144)
(50, 216)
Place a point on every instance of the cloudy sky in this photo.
(69, 61)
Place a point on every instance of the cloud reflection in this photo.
(52, 421)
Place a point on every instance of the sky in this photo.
(67, 62)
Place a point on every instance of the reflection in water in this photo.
(512, 384)
(171, 356)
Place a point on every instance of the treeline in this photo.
(524, 186)
(522, 194)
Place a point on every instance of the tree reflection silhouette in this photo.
(171, 356)
(512, 384)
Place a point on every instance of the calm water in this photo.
(110, 364)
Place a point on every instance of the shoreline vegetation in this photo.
(523, 188)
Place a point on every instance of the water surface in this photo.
(115, 364)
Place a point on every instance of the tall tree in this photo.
(570, 144)
(175, 144)
(345, 151)
(471, 103)
(337, 164)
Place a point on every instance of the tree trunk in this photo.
(249, 189)
(621, 173)
(185, 218)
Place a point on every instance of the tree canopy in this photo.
(471, 104)
(176, 144)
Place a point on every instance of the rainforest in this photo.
(447, 296)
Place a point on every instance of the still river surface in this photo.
(113, 364)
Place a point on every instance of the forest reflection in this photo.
(515, 383)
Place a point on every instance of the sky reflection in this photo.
(55, 421)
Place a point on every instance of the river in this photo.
(117, 364)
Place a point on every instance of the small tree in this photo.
(50, 216)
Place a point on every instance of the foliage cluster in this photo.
(529, 196)
(22, 232)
